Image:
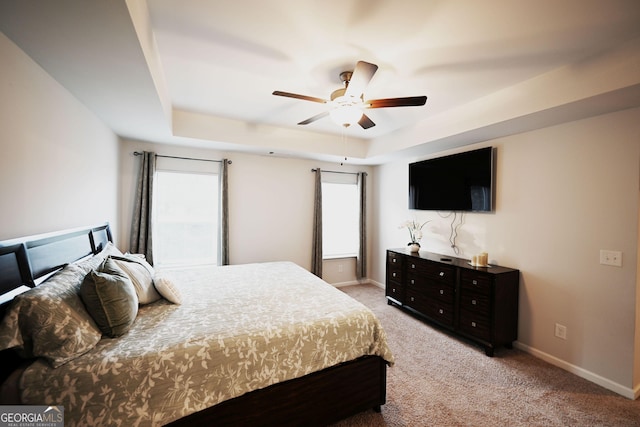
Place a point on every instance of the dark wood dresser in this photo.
(479, 303)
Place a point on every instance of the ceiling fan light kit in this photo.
(347, 111)
(348, 102)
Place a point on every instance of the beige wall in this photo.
(270, 205)
(563, 193)
(58, 162)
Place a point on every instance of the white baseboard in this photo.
(581, 372)
(378, 284)
(350, 283)
(356, 282)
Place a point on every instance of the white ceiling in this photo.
(201, 72)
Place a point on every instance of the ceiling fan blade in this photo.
(411, 101)
(365, 122)
(303, 97)
(360, 78)
(314, 118)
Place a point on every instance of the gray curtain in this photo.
(316, 250)
(140, 241)
(361, 259)
(223, 231)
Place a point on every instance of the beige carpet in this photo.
(439, 380)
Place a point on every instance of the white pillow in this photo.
(167, 288)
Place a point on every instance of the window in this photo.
(185, 217)
(340, 216)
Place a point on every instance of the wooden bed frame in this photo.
(316, 399)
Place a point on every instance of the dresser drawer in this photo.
(395, 291)
(443, 313)
(417, 280)
(474, 282)
(394, 275)
(437, 291)
(476, 325)
(437, 272)
(475, 302)
(394, 268)
(394, 259)
(435, 309)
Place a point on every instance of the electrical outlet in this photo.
(340, 268)
(561, 331)
(613, 258)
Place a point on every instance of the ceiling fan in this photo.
(347, 104)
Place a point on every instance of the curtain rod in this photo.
(137, 153)
(349, 173)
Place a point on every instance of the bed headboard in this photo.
(25, 260)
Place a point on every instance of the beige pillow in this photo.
(50, 321)
(141, 275)
(167, 288)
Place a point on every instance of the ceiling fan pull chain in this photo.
(344, 143)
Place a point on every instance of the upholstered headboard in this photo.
(25, 260)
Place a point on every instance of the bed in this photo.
(256, 344)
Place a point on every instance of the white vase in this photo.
(414, 247)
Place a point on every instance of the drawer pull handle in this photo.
(473, 302)
(441, 311)
(413, 282)
(413, 266)
(393, 290)
(441, 291)
(475, 282)
(473, 324)
(413, 299)
(393, 260)
(393, 274)
(442, 274)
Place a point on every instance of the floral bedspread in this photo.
(240, 328)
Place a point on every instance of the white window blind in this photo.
(340, 215)
(185, 212)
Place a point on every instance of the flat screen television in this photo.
(460, 182)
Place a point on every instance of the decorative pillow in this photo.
(141, 275)
(167, 288)
(50, 321)
(110, 298)
(94, 262)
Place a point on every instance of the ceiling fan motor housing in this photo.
(345, 77)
